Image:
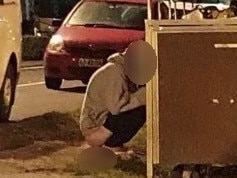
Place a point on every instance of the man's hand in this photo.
(124, 100)
(97, 136)
(137, 99)
(133, 103)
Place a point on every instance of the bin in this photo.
(192, 99)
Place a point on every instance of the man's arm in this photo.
(114, 95)
(137, 99)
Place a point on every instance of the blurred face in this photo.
(140, 62)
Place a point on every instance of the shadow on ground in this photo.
(38, 136)
(81, 89)
(135, 165)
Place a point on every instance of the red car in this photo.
(92, 31)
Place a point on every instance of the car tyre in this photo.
(7, 93)
(53, 83)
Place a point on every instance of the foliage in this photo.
(53, 8)
(33, 47)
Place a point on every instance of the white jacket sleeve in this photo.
(115, 96)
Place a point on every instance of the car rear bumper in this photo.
(66, 67)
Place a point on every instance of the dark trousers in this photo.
(124, 126)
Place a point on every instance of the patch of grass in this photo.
(138, 143)
(133, 167)
(48, 127)
(116, 174)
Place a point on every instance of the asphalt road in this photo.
(33, 99)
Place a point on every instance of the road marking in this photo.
(30, 84)
(32, 68)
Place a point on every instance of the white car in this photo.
(10, 54)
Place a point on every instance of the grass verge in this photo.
(132, 167)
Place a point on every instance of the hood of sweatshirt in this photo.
(117, 58)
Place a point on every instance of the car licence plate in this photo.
(90, 62)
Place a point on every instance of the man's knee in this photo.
(98, 137)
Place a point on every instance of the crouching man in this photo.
(113, 109)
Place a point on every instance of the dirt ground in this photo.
(47, 159)
(49, 146)
(43, 146)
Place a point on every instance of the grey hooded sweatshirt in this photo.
(107, 92)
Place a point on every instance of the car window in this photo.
(114, 15)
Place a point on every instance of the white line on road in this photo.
(32, 68)
(30, 84)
